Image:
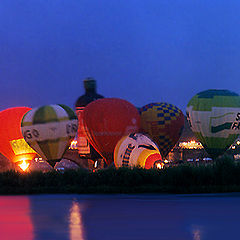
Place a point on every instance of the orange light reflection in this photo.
(75, 223)
(15, 219)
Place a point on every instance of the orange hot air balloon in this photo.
(106, 121)
(12, 143)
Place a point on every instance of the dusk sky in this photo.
(140, 50)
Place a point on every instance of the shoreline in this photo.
(221, 177)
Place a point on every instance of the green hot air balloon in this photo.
(214, 117)
(49, 130)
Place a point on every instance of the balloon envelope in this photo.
(12, 143)
(49, 130)
(214, 117)
(106, 121)
(164, 123)
(136, 150)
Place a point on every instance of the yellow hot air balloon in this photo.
(49, 130)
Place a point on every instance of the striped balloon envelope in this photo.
(214, 117)
(136, 150)
(164, 123)
(49, 130)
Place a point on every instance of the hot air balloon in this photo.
(214, 117)
(12, 143)
(49, 130)
(136, 150)
(106, 121)
(164, 123)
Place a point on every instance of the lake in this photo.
(110, 217)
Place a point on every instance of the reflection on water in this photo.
(75, 223)
(119, 217)
(57, 217)
(196, 233)
(40, 218)
(15, 220)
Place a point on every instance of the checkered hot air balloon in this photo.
(214, 117)
(49, 130)
(164, 123)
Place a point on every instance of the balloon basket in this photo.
(53, 162)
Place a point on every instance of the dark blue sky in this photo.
(139, 50)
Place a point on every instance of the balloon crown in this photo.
(89, 83)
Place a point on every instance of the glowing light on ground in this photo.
(39, 160)
(24, 165)
(73, 144)
(191, 145)
(159, 165)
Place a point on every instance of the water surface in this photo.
(110, 217)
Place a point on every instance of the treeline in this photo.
(221, 176)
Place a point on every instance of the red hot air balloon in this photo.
(12, 143)
(106, 121)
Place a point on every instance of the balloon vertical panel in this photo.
(82, 145)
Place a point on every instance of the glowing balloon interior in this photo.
(106, 121)
(214, 117)
(49, 130)
(136, 150)
(12, 144)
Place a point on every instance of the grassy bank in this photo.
(221, 176)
